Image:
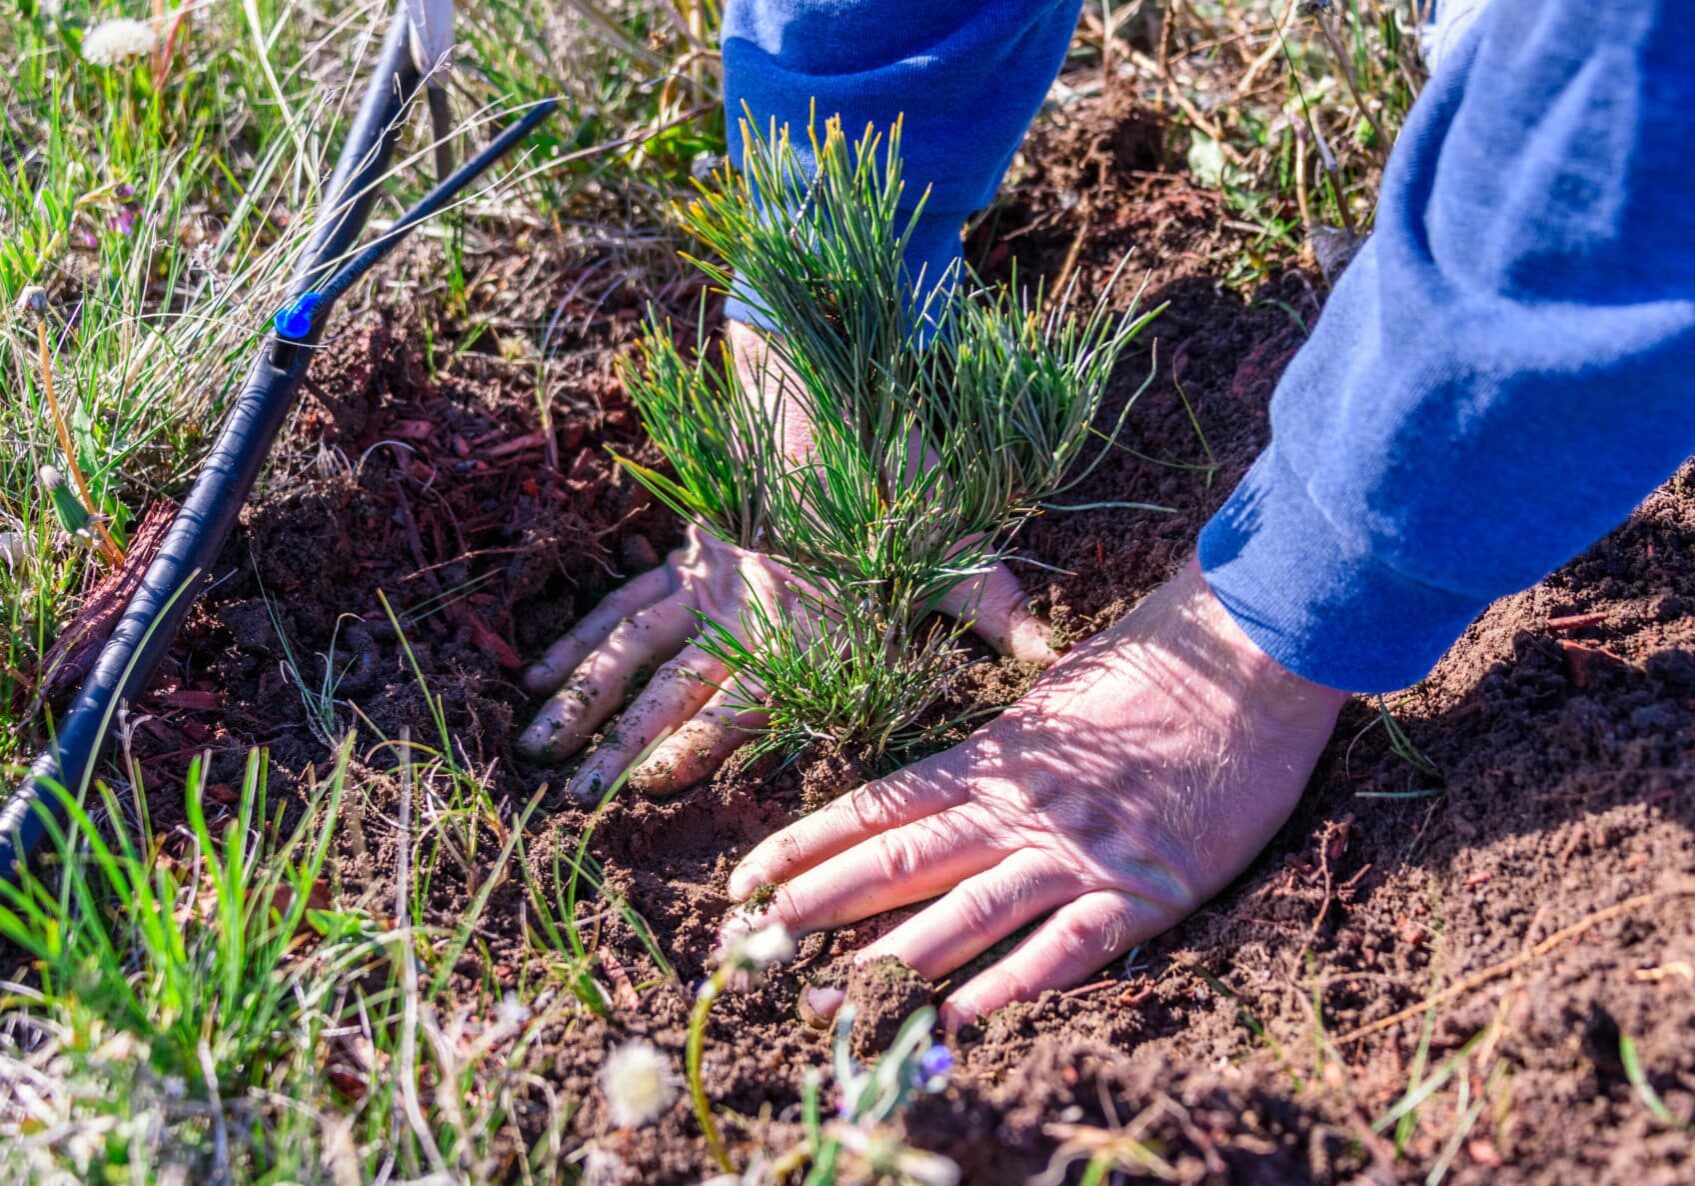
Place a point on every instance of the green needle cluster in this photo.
(939, 424)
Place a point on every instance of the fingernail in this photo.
(649, 780)
(818, 1005)
(955, 1014)
(532, 742)
(744, 879)
(1034, 642)
(586, 788)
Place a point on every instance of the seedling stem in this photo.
(108, 546)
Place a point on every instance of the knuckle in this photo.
(897, 857)
(870, 808)
(1030, 871)
(783, 907)
(1080, 937)
(1115, 931)
(572, 700)
(977, 908)
(713, 721)
(675, 670)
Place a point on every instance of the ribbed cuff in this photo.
(1317, 601)
(931, 253)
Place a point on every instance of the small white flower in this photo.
(111, 43)
(744, 945)
(769, 945)
(638, 1083)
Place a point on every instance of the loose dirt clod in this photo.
(882, 994)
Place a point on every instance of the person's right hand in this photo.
(1133, 782)
(651, 624)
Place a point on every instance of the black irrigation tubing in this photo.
(35, 814)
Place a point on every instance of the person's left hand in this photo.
(692, 714)
(1136, 779)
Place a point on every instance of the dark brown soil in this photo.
(1534, 881)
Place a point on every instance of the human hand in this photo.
(650, 625)
(1132, 783)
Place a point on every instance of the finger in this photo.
(591, 630)
(895, 868)
(977, 913)
(818, 1004)
(676, 692)
(701, 745)
(904, 796)
(1082, 937)
(999, 613)
(603, 680)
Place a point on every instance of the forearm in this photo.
(964, 77)
(1502, 374)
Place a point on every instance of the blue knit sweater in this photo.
(1504, 371)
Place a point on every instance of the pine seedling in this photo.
(837, 684)
(722, 445)
(942, 415)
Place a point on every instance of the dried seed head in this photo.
(512, 1012)
(111, 43)
(638, 1083)
(32, 303)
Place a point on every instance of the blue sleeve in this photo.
(964, 76)
(1508, 366)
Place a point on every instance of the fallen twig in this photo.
(1496, 971)
(1577, 621)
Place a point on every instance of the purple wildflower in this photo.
(938, 1060)
(933, 1068)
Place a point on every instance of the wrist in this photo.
(766, 377)
(1314, 590)
(1254, 671)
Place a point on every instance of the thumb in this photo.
(994, 603)
(819, 1004)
